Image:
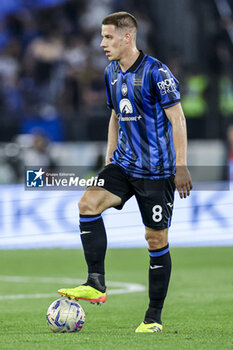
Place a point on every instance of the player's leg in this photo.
(159, 277)
(159, 272)
(93, 236)
(94, 240)
(156, 202)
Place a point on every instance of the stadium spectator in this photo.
(39, 153)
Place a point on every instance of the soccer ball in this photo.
(65, 315)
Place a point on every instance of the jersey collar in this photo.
(135, 66)
(136, 63)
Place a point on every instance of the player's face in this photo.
(113, 42)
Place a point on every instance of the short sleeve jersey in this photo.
(139, 96)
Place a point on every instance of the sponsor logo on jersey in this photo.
(126, 106)
(167, 85)
(124, 89)
(128, 119)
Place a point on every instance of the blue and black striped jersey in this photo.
(145, 146)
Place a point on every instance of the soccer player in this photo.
(146, 157)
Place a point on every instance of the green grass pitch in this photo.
(198, 312)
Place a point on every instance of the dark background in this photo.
(52, 95)
(51, 66)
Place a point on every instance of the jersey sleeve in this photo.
(167, 86)
(108, 88)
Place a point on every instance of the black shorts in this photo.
(154, 197)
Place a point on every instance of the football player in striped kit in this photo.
(146, 157)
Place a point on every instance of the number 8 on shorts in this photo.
(157, 213)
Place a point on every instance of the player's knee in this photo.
(153, 243)
(88, 207)
(156, 239)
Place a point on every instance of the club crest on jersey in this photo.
(124, 89)
(126, 106)
(167, 85)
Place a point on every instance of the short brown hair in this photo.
(121, 20)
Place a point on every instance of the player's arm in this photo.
(183, 180)
(113, 130)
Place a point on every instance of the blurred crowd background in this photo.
(52, 94)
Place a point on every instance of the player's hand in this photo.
(183, 181)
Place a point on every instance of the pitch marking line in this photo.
(122, 288)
